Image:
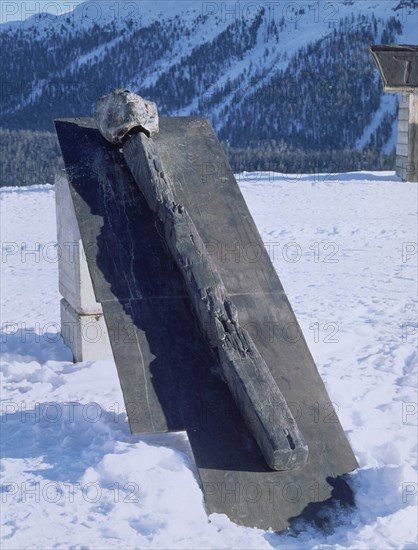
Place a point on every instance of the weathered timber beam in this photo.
(244, 369)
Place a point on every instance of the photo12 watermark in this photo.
(409, 251)
(67, 413)
(324, 251)
(410, 413)
(409, 331)
(409, 492)
(269, 491)
(54, 492)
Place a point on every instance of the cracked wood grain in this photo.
(243, 368)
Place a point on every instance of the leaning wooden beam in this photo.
(124, 117)
(245, 371)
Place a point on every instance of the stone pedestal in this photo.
(407, 146)
(82, 323)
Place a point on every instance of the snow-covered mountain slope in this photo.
(260, 71)
(73, 477)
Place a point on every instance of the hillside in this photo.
(262, 72)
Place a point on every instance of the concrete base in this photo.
(85, 335)
(82, 324)
(74, 278)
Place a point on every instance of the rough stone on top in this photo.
(121, 112)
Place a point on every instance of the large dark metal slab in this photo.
(164, 364)
(398, 66)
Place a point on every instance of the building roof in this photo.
(398, 66)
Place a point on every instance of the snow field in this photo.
(345, 248)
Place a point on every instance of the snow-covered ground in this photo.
(345, 248)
